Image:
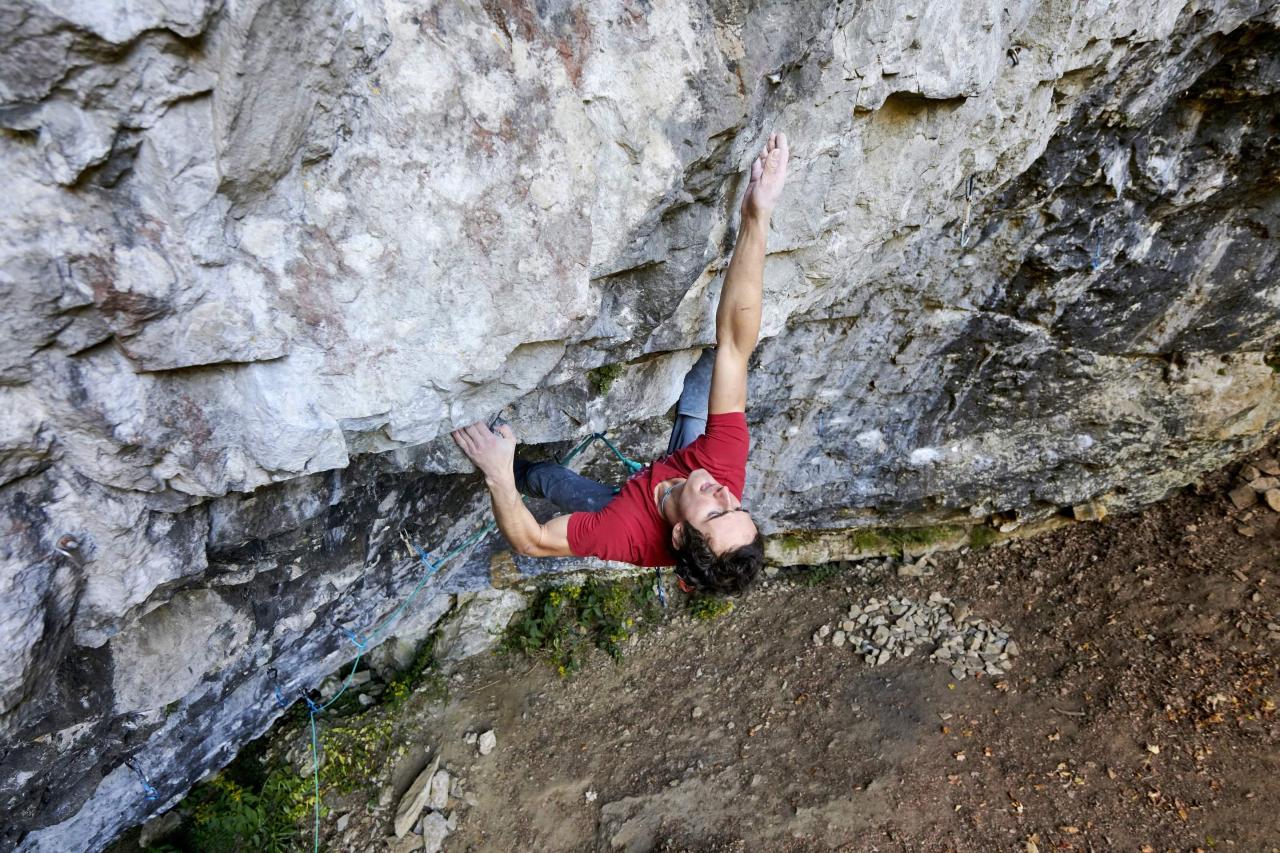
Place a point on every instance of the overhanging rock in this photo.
(259, 258)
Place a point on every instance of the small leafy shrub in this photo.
(350, 754)
(603, 377)
(226, 816)
(562, 624)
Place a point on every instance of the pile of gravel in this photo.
(945, 629)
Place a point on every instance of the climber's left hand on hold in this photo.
(492, 451)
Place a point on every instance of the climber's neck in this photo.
(666, 496)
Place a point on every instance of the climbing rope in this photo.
(363, 642)
(632, 465)
(150, 793)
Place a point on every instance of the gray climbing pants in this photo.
(572, 492)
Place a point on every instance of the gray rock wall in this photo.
(258, 258)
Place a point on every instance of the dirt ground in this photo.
(1140, 714)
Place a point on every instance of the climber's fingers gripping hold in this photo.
(768, 175)
(493, 452)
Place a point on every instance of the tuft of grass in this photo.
(823, 573)
(708, 607)
(562, 624)
(603, 377)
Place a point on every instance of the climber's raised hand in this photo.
(768, 175)
(492, 452)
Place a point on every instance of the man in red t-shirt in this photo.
(685, 509)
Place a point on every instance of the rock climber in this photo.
(684, 509)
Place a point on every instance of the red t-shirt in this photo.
(629, 528)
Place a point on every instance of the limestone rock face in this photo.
(258, 258)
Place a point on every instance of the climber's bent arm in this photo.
(738, 317)
(493, 452)
(522, 530)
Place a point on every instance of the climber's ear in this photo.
(677, 535)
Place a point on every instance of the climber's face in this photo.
(710, 507)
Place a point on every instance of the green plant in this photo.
(350, 753)
(602, 377)
(709, 607)
(225, 816)
(822, 573)
(561, 624)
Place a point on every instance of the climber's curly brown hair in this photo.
(729, 573)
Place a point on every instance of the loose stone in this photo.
(1243, 497)
(1273, 499)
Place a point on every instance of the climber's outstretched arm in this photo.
(738, 318)
(738, 315)
(493, 454)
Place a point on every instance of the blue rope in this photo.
(632, 465)
(149, 791)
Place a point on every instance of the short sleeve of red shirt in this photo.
(605, 534)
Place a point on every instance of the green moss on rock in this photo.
(982, 536)
(798, 547)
